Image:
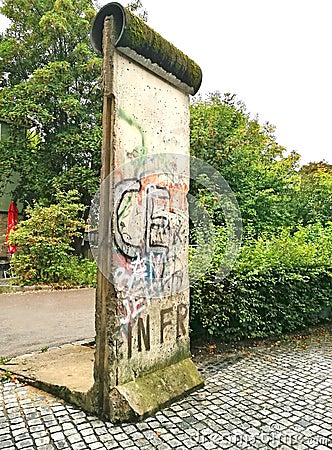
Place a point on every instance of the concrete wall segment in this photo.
(142, 315)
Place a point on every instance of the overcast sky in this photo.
(274, 54)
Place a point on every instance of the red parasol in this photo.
(12, 222)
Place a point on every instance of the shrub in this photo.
(45, 245)
(279, 284)
(79, 271)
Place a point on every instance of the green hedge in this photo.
(279, 284)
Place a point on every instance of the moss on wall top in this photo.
(132, 32)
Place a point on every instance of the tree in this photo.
(137, 7)
(248, 157)
(49, 79)
(313, 199)
(281, 280)
(316, 167)
(50, 94)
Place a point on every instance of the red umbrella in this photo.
(12, 222)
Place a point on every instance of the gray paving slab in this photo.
(269, 398)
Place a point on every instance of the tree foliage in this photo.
(50, 95)
(282, 280)
(313, 199)
(49, 80)
(136, 6)
(272, 190)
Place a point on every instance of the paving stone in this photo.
(271, 400)
(6, 444)
(95, 446)
(55, 429)
(42, 441)
(75, 438)
(5, 437)
(90, 439)
(111, 445)
(69, 432)
(126, 443)
(24, 444)
(61, 444)
(172, 443)
(58, 436)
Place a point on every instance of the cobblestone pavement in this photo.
(277, 397)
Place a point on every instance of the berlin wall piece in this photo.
(142, 358)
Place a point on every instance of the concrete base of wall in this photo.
(67, 373)
(149, 393)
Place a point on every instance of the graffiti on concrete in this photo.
(150, 224)
(149, 243)
(137, 147)
(171, 321)
(147, 248)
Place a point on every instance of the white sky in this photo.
(274, 54)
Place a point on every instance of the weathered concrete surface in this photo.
(151, 392)
(70, 366)
(142, 312)
(34, 320)
(66, 372)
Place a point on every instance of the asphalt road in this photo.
(30, 321)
